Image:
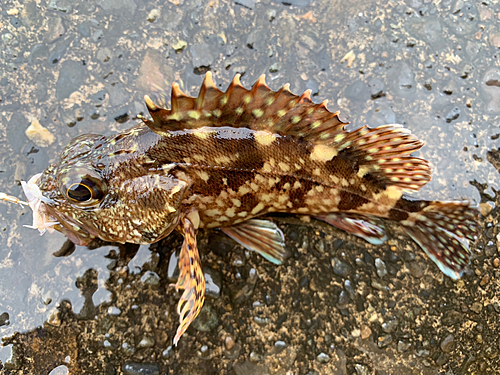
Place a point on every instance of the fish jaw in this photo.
(42, 220)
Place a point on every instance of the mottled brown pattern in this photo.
(225, 157)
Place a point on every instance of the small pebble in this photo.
(448, 344)
(150, 278)
(362, 369)
(415, 270)
(485, 280)
(60, 370)
(140, 369)
(340, 268)
(279, 346)
(255, 357)
(381, 267)
(179, 46)
(274, 68)
(323, 358)
(343, 299)
(167, 353)
(229, 342)
(261, 321)
(39, 135)
(153, 15)
(390, 325)
(476, 307)
(204, 352)
(384, 341)
(403, 346)
(146, 342)
(365, 332)
(128, 349)
(113, 310)
(54, 318)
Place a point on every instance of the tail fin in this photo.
(442, 230)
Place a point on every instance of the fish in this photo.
(224, 159)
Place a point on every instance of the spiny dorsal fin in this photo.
(382, 153)
(259, 108)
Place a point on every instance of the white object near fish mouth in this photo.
(41, 220)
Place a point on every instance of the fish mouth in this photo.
(42, 220)
(46, 218)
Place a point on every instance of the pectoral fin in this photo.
(191, 277)
(369, 228)
(262, 236)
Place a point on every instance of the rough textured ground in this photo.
(337, 305)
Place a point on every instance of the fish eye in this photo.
(82, 188)
(79, 192)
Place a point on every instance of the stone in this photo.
(323, 358)
(416, 270)
(213, 280)
(56, 29)
(84, 29)
(207, 320)
(313, 86)
(384, 341)
(104, 54)
(60, 370)
(390, 325)
(202, 56)
(448, 344)
(150, 278)
(59, 50)
(117, 95)
(71, 76)
(39, 135)
(16, 22)
(381, 267)
(131, 368)
(376, 88)
(340, 268)
(64, 6)
(153, 15)
(365, 332)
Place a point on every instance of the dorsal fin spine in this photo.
(208, 84)
(176, 92)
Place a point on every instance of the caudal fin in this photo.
(443, 229)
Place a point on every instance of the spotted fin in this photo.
(259, 108)
(442, 230)
(380, 154)
(262, 236)
(369, 228)
(191, 280)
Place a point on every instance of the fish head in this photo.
(90, 194)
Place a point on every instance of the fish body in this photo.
(223, 159)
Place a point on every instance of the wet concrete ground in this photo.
(338, 305)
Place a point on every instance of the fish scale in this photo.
(224, 159)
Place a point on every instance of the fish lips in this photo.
(69, 227)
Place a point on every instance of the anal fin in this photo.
(262, 236)
(191, 279)
(369, 228)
